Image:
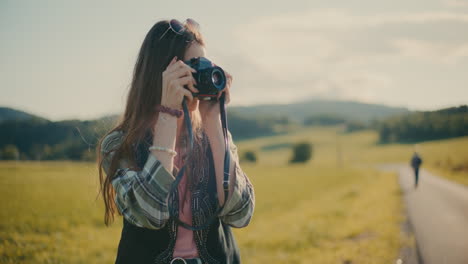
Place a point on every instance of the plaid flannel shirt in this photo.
(142, 196)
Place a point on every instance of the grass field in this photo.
(447, 158)
(333, 209)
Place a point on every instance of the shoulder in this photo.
(112, 140)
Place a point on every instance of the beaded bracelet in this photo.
(174, 112)
(170, 151)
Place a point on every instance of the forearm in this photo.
(165, 131)
(140, 195)
(213, 129)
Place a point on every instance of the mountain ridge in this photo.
(297, 111)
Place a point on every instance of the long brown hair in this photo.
(140, 115)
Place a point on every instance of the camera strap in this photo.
(173, 211)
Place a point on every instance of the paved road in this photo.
(438, 212)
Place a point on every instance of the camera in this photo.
(210, 78)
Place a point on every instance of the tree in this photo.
(10, 152)
(421, 126)
(36, 151)
(249, 156)
(324, 120)
(302, 152)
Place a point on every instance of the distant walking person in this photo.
(416, 162)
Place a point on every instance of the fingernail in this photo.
(193, 70)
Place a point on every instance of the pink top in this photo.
(185, 246)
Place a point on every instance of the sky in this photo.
(74, 59)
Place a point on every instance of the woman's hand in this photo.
(174, 78)
(210, 109)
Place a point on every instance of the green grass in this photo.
(447, 158)
(320, 214)
(303, 213)
(333, 209)
(49, 214)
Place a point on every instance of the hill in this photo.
(7, 113)
(299, 111)
(28, 136)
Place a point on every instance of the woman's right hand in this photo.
(174, 78)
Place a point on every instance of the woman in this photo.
(138, 180)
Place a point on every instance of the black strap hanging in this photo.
(227, 157)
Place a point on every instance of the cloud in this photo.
(341, 19)
(434, 52)
(337, 54)
(331, 34)
(456, 3)
(356, 85)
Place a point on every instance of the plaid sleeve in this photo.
(141, 196)
(240, 204)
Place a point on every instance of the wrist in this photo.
(165, 128)
(169, 110)
(166, 117)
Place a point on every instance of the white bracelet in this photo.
(170, 151)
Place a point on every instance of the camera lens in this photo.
(218, 79)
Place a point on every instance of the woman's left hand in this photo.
(210, 109)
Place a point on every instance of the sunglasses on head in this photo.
(179, 28)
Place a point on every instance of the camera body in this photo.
(210, 78)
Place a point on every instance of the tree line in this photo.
(425, 125)
(39, 139)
